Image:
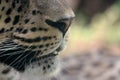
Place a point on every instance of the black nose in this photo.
(67, 22)
(62, 24)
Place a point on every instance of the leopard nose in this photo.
(65, 24)
(62, 24)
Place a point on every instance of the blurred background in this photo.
(97, 25)
(93, 49)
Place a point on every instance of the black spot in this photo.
(52, 63)
(52, 44)
(50, 37)
(7, 1)
(45, 61)
(19, 29)
(9, 11)
(40, 29)
(6, 71)
(19, 23)
(26, 21)
(45, 49)
(44, 68)
(26, 2)
(33, 29)
(47, 45)
(34, 12)
(16, 19)
(33, 23)
(45, 29)
(3, 8)
(39, 12)
(24, 31)
(23, 39)
(20, 9)
(10, 29)
(37, 39)
(45, 38)
(26, 40)
(7, 20)
(17, 1)
(2, 30)
(13, 5)
(48, 66)
(24, 11)
(54, 36)
(0, 16)
(41, 46)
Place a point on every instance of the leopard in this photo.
(32, 34)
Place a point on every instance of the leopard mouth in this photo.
(19, 58)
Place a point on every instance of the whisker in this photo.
(13, 53)
(32, 58)
(23, 53)
(9, 50)
(23, 59)
(16, 59)
(20, 66)
(6, 59)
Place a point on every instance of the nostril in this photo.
(58, 24)
(62, 24)
(66, 19)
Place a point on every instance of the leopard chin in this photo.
(46, 67)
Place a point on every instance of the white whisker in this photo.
(22, 57)
(13, 53)
(15, 60)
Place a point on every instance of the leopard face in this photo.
(32, 33)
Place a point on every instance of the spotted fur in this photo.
(32, 33)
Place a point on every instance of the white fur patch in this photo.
(41, 70)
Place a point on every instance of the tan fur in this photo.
(12, 20)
